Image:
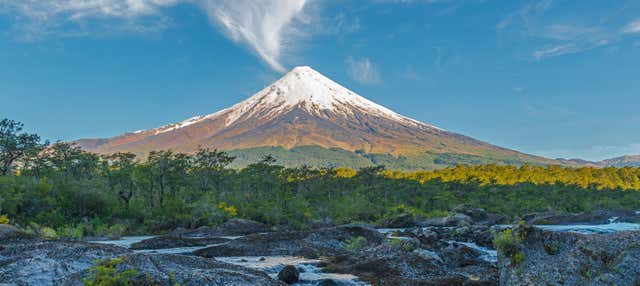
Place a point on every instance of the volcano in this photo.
(302, 109)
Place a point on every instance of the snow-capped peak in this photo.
(305, 88)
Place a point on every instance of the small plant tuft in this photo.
(4, 219)
(356, 243)
(505, 243)
(104, 273)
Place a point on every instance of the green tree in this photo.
(118, 168)
(16, 145)
(209, 166)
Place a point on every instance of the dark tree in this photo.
(15, 145)
(118, 169)
(208, 167)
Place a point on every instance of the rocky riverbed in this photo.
(456, 250)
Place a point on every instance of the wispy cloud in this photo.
(77, 9)
(570, 39)
(36, 19)
(524, 15)
(266, 26)
(633, 27)
(362, 70)
(555, 36)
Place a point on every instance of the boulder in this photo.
(236, 227)
(172, 269)
(476, 214)
(537, 257)
(289, 274)
(400, 221)
(457, 219)
(460, 255)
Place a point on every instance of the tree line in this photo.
(76, 193)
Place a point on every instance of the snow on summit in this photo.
(305, 88)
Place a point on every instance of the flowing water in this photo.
(310, 271)
(491, 255)
(594, 228)
(312, 274)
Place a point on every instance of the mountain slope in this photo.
(305, 108)
(623, 161)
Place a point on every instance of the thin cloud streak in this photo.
(264, 26)
(362, 71)
(633, 27)
(560, 36)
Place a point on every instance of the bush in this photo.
(552, 248)
(104, 273)
(505, 243)
(48, 233)
(356, 243)
(402, 244)
(230, 210)
(4, 219)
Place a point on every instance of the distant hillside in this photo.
(624, 161)
(334, 157)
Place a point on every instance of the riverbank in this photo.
(457, 250)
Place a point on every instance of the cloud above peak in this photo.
(266, 27)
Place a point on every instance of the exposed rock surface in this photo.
(9, 232)
(401, 221)
(169, 269)
(391, 265)
(466, 215)
(438, 237)
(312, 244)
(561, 258)
(34, 262)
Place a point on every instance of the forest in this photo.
(60, 190)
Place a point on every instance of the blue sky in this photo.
(548, 77)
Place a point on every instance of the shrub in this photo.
(229, 210)
(551, 248)
(104, 273)
(402, 244)
(48, 233)
(4, 219)
(517, 258)
(505, 243)
(356, 243)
